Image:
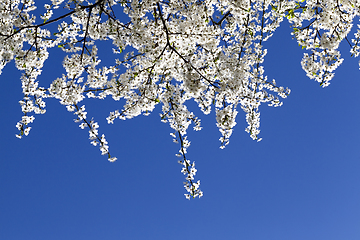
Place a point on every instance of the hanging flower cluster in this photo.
(169, 52)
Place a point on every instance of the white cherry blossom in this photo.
(167, 53)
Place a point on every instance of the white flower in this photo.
(113, 159)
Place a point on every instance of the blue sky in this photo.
(302, 181)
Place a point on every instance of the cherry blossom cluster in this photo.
(168, 53)
(93, 130)
(319, 27)
(188, 169)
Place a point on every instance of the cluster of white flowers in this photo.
(188, 169)
(319, 27)
(210, 51)
(93, 130)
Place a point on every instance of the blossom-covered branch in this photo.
(167, 53)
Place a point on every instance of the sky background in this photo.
(302, 181)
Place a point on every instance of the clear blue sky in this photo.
(301, 182)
